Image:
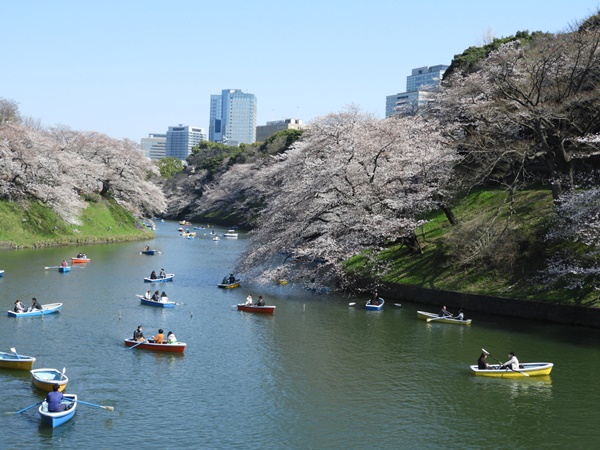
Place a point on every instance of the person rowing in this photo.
(512, 363)
(444, 312)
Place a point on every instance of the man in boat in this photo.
(54, 400)
(160, 337)
(146, 248)
(64, 263)
(261, 301)
(512, 363)
(138, 335)
(231, 278)
(444, 312)
(162, 274)
(35, 305)
(148, 295)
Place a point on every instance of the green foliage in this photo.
(170, 166)
(468, 61)
(31, 224)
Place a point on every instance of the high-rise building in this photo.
(181, 139)
(232, 117)
(264, 131)
(154, 145)
(416, 96)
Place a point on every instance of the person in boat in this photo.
(512, 363)
(153, 275)
(162, 274)
(160, 337)
(249, 300)
(35, 304)
(146, 248)
(64, 263)
(482, 363)
(225, 280)
(444, 312)
(80, 255)
(138, 335)
(156, 296)
(163, 297)
(19, 308)
(261, 301)
(54, 400)
(460, 315)
(231, 278)
(171, 339)
(148, 295)
(375, 300)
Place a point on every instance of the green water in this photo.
(318, 374)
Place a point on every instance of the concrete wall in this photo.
(571, 315)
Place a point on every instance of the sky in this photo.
(128, 68)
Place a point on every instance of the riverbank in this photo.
(33, 225)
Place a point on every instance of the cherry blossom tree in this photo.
(352, 184)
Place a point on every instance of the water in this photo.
(317, 374)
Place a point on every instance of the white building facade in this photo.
(181, 139)
(233, 117)
(416, 93)
(155, 145)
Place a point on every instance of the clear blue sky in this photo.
(132, 67)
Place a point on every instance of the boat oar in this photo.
(437, 318)
(12, 349)
(62, 375)
(352, 304)
(518, 371)
(51, 267)
(108, 408)
(29, 407)
(134, 346)
(398, 304)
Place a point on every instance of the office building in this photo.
(181, 139)
(232, 117)
(417, 93)
(264, 131)
(155, 145)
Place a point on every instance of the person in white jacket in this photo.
(512, 363)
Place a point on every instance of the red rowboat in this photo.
(177, 347)
(256, 309)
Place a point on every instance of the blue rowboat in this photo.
(149, 252)
(375, 307)
(167, 277)
(64, 269)
(159, 304)
(1, 273)
(54, 419)
(48, 308)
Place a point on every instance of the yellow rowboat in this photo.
(45, 379)
(15, 361)
(431, 317)
(535, 369)
(235, 284)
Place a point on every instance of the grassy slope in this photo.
(30, 224)
(435, 269)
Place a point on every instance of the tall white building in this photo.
(155, 145)
(414, 95)
(181, 139)
(232, 117)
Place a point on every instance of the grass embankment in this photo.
(497, 249)
(31, 224)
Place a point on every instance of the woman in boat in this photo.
(138, 335)
(153, 275)
(54, 400)
(171, 339)
(19, 308)
(482, 362)
(460, 315)
(249, 301)
(146, 248)
(261, 301)
(512, 363)
(64, 263)
(156, 296)
(163, 297)
(160, 337)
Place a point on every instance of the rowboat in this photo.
(230, 234)
(64, 269)
(188, 234)
(256, 309)
(184, 222)
(235, 284)
(80, 260)
(1, 273)
(177, 347)
(535, 369)
(15, 361)
(150, 302)
(149, 252)
(54, 419)
(45, 379)
(167, 277)
(48, 308)
(423, 315)
(377, 307)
